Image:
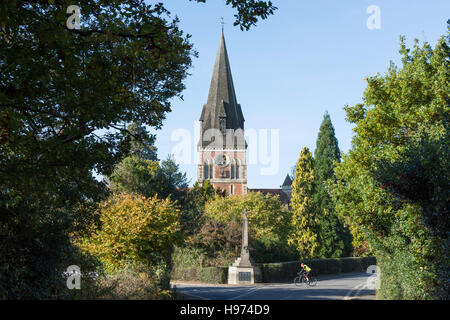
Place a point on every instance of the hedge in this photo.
(206, 274)
(286, 271)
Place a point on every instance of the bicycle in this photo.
(311, 282)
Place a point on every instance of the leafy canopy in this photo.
(133, 229)
(268, 219)
(148, 178)
(393, 185)
(249, 11)
(67, 98)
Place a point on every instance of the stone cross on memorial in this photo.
(245, 254)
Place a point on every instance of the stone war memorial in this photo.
(243, 270)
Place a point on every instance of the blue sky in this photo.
(310, 57)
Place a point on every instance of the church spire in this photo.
(222, 104)
(222, 146)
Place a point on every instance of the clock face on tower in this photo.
(222, 160)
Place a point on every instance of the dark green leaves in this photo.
(249, 11)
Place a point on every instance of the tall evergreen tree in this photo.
(192, 217)
(304, 218)
(138, 142)
(334, 237)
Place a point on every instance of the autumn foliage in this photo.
(134, 228)
(269, 225)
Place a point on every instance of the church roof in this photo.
(222, 102)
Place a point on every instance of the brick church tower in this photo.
(222, 146)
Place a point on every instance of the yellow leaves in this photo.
(266, 215)
(133, 227)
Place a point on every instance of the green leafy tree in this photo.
(138, 142)
(334, 238)
(149, 178)
(67, 97)
(172, 174)
(249, 11)
(394, 184)
(305, 223)
(269, 223)
(194, 208)
(135, 230)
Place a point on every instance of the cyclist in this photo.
(305, 270)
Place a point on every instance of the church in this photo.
(222, 147)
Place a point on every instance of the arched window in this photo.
(211, 170)
(232, 189)
(232, 169)
(205, 171)
(238, 167)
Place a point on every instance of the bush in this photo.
(134, 228)
(188, 265)
(135, 233)
(35, 250)
(132, 283)
(201, 274)
(187, 256)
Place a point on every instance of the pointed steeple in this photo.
(287, 181)
(222, 103)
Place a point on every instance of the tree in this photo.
(138, 142)
(67, 97)
(172, 174)
(193, 211)
(394, 185)
(334, 238)
(305, 223)
(149, 178)
(135, 230)
(269, 222)
(248, 11)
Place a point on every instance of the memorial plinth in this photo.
(243, 270)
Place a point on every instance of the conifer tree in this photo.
(334, 238)
(304, 219)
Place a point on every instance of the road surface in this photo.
(339, 287)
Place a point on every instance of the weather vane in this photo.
(222, 22)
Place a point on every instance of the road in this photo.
(339, 287)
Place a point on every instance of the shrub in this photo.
(35, 250)
(135, 231)
(132, 283)
(188, 265)
(134, 228)
(202, 274)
